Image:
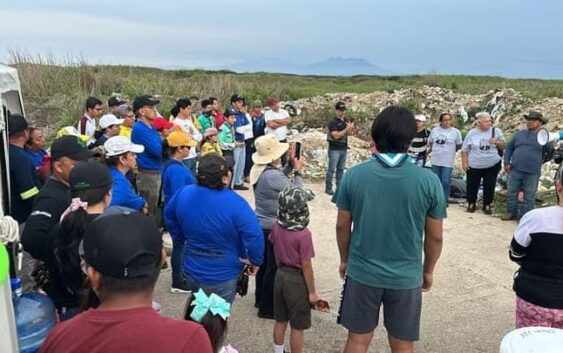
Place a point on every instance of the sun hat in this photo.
(118, 145)
(535, 115)
(268, 150)
(420, 117)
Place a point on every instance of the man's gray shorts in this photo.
(359, 310)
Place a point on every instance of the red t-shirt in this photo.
(219, 119)
(291, 247)
(138, 330)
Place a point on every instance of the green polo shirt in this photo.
(389, 206)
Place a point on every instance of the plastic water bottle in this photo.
(35, 317)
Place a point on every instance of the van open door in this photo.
(10, 102)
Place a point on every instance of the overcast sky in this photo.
(516, 38)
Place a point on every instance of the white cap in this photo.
(117, 145)
(109, 120)
(420, 117)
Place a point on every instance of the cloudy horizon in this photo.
(513, 38)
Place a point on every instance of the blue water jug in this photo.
(35, 317)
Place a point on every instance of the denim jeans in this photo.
(336, 162)
(445, 176)
(226, 290)
(191, 164)
(521, 181)
(240, 158)
(177, 262)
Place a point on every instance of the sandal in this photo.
(471, 207)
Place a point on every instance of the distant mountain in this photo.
(345, 67)
(329, 67)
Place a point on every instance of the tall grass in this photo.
(55, 90)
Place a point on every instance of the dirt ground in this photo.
(470, 308)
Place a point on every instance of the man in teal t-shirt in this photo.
(387, 208)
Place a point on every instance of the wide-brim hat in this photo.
(534, 115)
(268, 149)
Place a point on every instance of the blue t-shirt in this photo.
(218, 227)
(151, 158)
(175, 175)
(524, 153)
(36, 156)
(123, 193)
(389, 206)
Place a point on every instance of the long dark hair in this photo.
(214, 325)
(68, 239)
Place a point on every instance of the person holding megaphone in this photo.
(523, 160)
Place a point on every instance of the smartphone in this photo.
(298, 150)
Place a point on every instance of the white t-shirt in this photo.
(281, 132)
(444, 143)
(481, 154)
(188, 126)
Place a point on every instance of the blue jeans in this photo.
(177, 262)
(521, 181)
(336, 162)
(445, 176)
(239, 155)
(226, 290)
(191, 164)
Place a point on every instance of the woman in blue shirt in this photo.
(176, 175)
(121, 157)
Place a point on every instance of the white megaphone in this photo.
(544, 136)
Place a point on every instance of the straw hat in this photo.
(268, 150)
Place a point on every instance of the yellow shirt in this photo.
(125, 131)
(209, 147)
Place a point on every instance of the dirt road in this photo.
(469, 309)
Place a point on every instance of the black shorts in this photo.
(291, 298)
(359, 309)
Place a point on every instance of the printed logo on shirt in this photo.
(441, 139)
(484, 145)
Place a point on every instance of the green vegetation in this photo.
(54, 92)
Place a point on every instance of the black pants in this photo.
(489, 176)
(249, 144)
(264, 295)
(285, 157)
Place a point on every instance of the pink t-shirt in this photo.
(291, 247)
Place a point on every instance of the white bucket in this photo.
(533, 340)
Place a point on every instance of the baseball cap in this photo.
(109, 120)
(70, 146)
(117, 145)
(135, 252)
(420, 117)
(212, 167)
(16, 124)
(115, 101)
(179, 138)
(143, 101)
(229, 112)
(89, 175)
(340, 106)
(160, 123)
(236, 98)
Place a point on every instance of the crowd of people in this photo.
(94, 207)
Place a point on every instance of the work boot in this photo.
(508, 217)
(240, 187)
